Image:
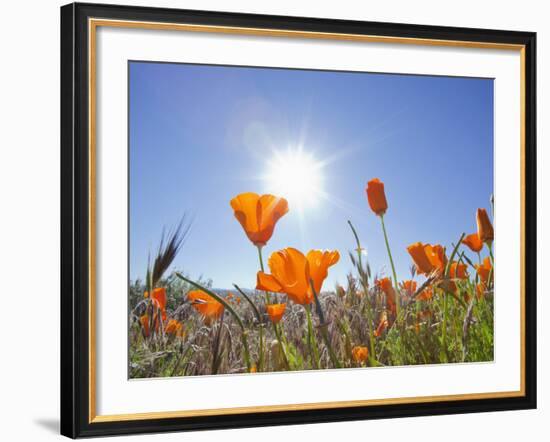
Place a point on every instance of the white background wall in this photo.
(29, 218)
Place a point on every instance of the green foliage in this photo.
(211, 347)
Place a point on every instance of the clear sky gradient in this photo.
(200, 135)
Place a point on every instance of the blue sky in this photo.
(199, 135)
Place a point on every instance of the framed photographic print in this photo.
(275, 220)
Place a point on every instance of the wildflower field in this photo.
(442, 312)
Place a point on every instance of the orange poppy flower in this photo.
(473, 242)
(359, 354)
(377, 196)
(291, 272)
(386, 286)
(426, 294)
(484, 226)
(205, 304)
(428, 258)
(484, 270)
(275, 312)
(258, 215)
(174, 327)
(144, 320)
(382, 324)
(159, 300)
(319, 261)
(436, 255)
(458, 271)
(409, 287)
(420, 258)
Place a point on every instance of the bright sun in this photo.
(296, 176)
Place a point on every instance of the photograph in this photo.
(295, 219)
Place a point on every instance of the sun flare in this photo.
(297, 176)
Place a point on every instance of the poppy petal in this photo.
(267, 282)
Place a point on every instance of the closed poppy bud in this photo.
(473, 242)
(382, 324)
(159, 300)
(484, 226)
(385, 285)
(275, 312)
(144, 321)
(360, 354)
(458, 271)
(376, 196)
(484, 271)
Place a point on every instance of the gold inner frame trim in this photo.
(93, 24)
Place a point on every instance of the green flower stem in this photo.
(366, 290)
(262, 268)
(333, 357)
(216, 297)
(229, 309)
(455, 249)
(244, 338)
(268, 301)
(358, 244)
(281, 346)
(445, 302)
(324, 328)
(152, 309)
(395, 280)
(261, 352)
(260, 322)
(282, 332)
(311, 339)
(444, 330)
(217, 339)
(245, 296)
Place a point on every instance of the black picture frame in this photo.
(75, 220)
